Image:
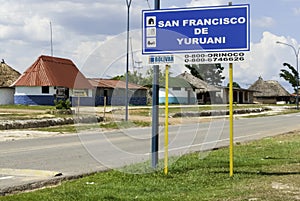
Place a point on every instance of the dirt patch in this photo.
(12, 135)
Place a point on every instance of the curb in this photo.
(29, 172)
(57, 180)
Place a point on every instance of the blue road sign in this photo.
(211, 29)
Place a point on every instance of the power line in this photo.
(148, 4)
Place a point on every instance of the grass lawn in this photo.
(267, 169)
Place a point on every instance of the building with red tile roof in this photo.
(39, 83)
(114, 91)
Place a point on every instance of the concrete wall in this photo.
(117, 97)
(7, 96)
(120, 100)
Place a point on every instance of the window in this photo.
(45, 89)
(176, 88)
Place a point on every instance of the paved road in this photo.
(25, 161)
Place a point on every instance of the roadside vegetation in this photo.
(268, 169)
(114, 116)
(96, 126)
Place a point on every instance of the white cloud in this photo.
(264, 22)
(296, 11)
(194, 3)
(37, 28)
(266, 60)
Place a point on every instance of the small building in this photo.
(7, 77)
(50, 78)
(205, 93)
(114, 91)
(240, 95)
(269, 92)
(180, 92)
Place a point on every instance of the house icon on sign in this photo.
(151, 21)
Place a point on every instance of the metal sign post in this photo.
(155, 108)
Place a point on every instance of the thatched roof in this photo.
(8, 75)
(270, 88)
(200, 85)
(176, 82)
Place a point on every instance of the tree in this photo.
(149, 77)
(234, 85)
(135, 78)
(210, 73)
(290, 75)
(140, 79)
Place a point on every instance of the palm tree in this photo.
(290, 75)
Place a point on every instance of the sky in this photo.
(92, 33)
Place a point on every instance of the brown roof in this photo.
(107, 83)
(7, 75)
(270, 88)
(200, 85)
(53, 71)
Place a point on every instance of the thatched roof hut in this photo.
(8, 75)
(269, 91)
(199, 85)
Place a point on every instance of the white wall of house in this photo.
(81, 92)
(7, 96)
(181, 94)
(20, 90)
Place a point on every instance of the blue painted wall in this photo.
(33, 100)
(49, 100)
(99, 100)
(84, 101)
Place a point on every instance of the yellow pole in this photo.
(166, 120)
(231, 116)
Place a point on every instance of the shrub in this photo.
(62, 104)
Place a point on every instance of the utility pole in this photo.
(51, 39)
(128, 3)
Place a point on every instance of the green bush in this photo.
(62, 104)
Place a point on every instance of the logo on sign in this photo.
(151, 21)
(161, 59)
(151, 31)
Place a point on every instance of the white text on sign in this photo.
(167, 59)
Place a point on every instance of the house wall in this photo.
(116, 96)
(178, 96)
(271, 100)
(7, 96)
(34, 96)
(33, 91)
(245, 97)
